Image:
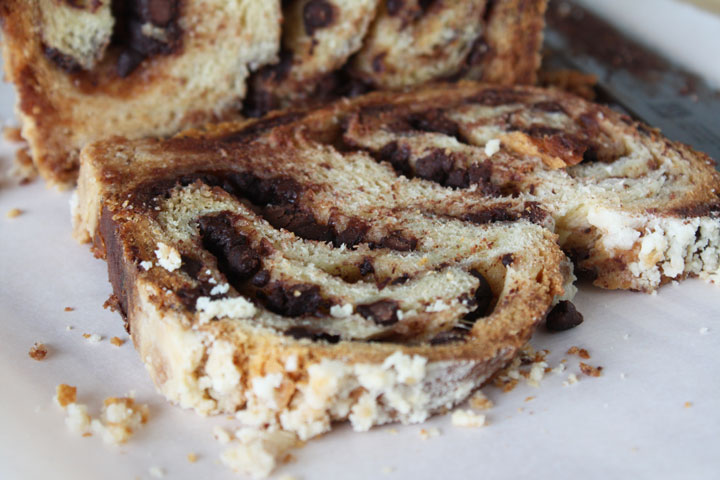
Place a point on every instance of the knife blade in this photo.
(642, 83)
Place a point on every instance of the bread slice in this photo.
(318, 38)
(264, 268)
(334, 48)
(413, 42)
(631, 208)
(86, 70)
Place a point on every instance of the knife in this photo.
(632, 77)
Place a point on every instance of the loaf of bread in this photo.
(270, 268)
(86, 70)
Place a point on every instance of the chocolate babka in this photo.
(86, 70)
(270, 267)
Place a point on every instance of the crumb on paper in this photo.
(704, 331)
(623, 376)
(537, 372)
(480, 402)
(13, 133)
(23, 168)
(590, 371)
(287, 477)
(14, 213)
(387, 470)
(580, 352)
(428, 433)
(69, 309)
(65, 394)
(626, 336)
(119, 419)
(117, 341)
(92, 337)
(688, 404)
(467, 418)
(221, 435)
(38, 351)
(69, 327)
(571, 380)
(156, 472)
(393, 431)
(192, 457)
(257, 453)
(530, 398)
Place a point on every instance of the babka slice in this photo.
(85, 70)
(631, 208)
(265, 268)
(335, 48)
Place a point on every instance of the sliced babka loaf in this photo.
(265, 268)
(86, 70)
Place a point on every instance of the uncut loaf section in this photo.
(270, 268)
(86, 70)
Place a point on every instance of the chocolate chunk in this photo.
(482, 298)
(236, 257)
(353, 234)
(398, 156)
(507, 259)
(260, 279)
(400, 280)
(435, 121)
(434, 166)
(378, 62)
(366, 267)
(65, 62)
(382, 312)
(394, 6)
(563, 316)
(454, 335)
(191, 266)
(127, 62)
(317, 14)
(292, 300)
(300, 332)
(491, 215)
(158, 12)
(301, 223)
(497, 97)
(395, 240)
(549, 107)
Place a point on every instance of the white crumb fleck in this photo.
(559, 369)
(68, 327)
(92, 337)
(146, 265)
(467, 418)
(156, 472)
(428, 433)
(387, 470)
(291, 363)
(571, 380)
(343, 311)
(258, 452)
(626, 336)
(438, 306)
(212, 281)
(537, 372)
(221, 435)
(236, 307)
(220, 289)
(704, 331)
(623, 376)
(168, 257)
(492, 147)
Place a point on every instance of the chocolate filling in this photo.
(483, 298)
(292, 300)
(382, 312)
(300, 332)
(317, 14)
(236, 258)
(456, 334)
